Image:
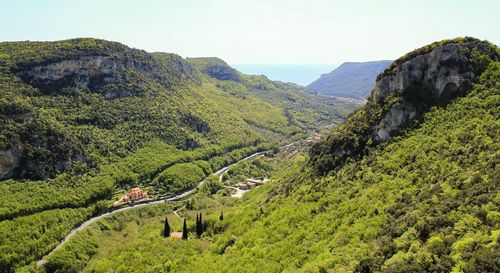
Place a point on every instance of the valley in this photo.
(116, 159)
(420, 198)
(85, 120)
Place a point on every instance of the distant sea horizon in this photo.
(302, 74)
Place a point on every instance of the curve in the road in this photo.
(179, 197)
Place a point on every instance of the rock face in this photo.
(113, 75)
(215, 68)
(433, 75)
(37, 147)
(445, 71)
(350, 80)
(9, 160)
(223, 73)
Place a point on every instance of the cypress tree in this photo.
(201, 225)
(166, 229)
(221, 217)
(197, 223)
(184, 231)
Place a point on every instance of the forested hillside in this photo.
(422, 199)
(84, 120)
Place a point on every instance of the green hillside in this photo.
(424, 199)
(84, 120)
(424, 202)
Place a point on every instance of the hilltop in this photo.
(350, 80)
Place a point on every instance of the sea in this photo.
(302, 74)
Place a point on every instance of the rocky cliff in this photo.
(111, 69)
(73, 106)
(35, 146)
(429, 76)
(215, 68)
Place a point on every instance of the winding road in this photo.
(179, 197)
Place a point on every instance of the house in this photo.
(242, 186)
(134, 194)
(313, 138)
(251, 183)
(176, 235)
(254, 181)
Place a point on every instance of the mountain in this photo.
(430, 76)
(418, 194)
(84, 120)
(350, 80)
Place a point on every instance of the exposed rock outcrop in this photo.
(113, 74)
(432, 75)
(9, 160)
(223, 73)
(216, 68)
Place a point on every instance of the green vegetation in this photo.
(425, 201)
(28, 237)
(259, 168)
(84, 120)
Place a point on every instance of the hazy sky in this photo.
(256, 31)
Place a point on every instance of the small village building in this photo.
(254, 181)
(251, 183)
(176, 235)
(242, 186)
(134, 194)
(313, 138)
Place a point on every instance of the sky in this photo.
(257, 31)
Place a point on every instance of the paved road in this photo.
(179, 197)
(224, 170)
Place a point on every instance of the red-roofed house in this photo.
(134, 194)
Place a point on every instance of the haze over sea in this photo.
(302, 74)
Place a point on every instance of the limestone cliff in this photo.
(429, 76)
(215, 68)
(36, 147)
(115, 72)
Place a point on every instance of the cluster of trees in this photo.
(259, 168)
(27, 238)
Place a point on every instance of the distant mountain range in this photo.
(351, 79)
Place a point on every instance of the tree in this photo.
(199, 225)
(184, 231)
(221, 217)
(166, 229)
